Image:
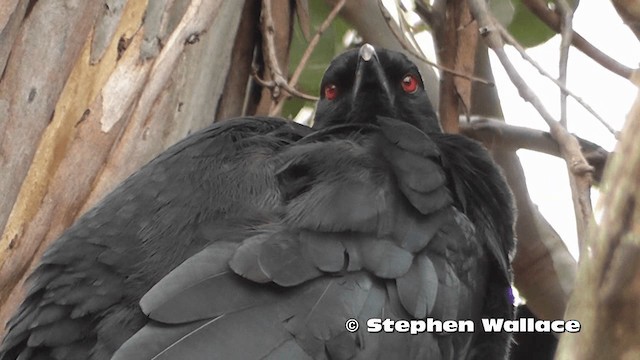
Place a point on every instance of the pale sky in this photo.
(609, 95)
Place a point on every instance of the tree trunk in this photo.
(605, 300)
(122, 81)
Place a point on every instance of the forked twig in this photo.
(279, 80)
(523, 53)
(541, 10)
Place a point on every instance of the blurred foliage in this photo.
(526, 27)
(503, 10)
(329, 46)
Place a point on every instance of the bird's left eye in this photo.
(330, 92)
(409, 84)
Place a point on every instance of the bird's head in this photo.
(361, 84)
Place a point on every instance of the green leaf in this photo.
(527, 28)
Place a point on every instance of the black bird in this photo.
(258, 238)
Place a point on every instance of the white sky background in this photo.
(607, 93)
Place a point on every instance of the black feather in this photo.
(257, 238)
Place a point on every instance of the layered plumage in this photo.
(258, 238)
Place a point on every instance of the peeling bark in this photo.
(116, 111)
(456, 42)
(238, 80)
(29, 91)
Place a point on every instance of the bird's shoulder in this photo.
(149, 224)
(368, 229)
(482, 193)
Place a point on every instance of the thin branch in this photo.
(261, 81)
(412, 50)
(523, 53)
(271, 59)
(425, 11)
(315, 40)
(579, 170)
(406, 28)
(510, 137)
(552, 19)
(566, 27)
(276, 85)
(308, 51)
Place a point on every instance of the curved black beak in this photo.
(370, 76)
(370, 85)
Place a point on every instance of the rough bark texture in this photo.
(456, 40)
(605, 300)
(238, 83)
(29, 94)
(114, 92)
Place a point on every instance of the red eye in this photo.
(330, 92)
(409, 84)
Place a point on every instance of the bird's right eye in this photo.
(410, 84)
(330, 92)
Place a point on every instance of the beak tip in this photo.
(367, 52)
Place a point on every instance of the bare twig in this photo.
(308, 51)
(262, 82)
(566, 27)
(523, 53)
(314, 41)
(406, 28)
(271, 59)
(493, 132)
(425, 11)
(412, 50)
(579, 169)
(540, 9)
